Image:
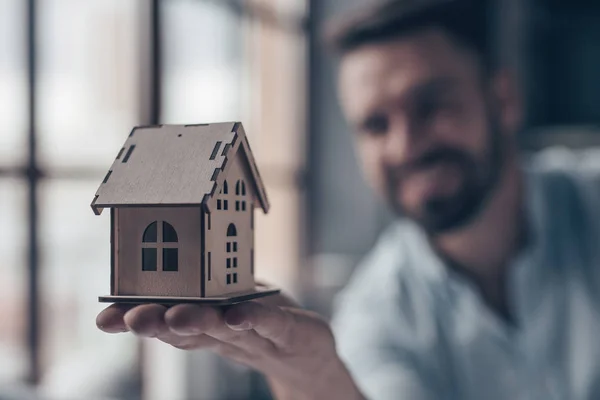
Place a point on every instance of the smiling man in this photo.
(487, 286)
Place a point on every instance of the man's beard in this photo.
(442, 214)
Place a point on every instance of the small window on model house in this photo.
(225, 191)
(230, 276)
(163, 241)
(231, 247)
(231, 231)
(222, 204)
(240, 190)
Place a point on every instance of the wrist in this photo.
(331, 381)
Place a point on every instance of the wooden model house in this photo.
(182, 201)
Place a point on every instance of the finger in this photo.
(110, 320)
(147, 320)
(271, 323)
(186, 324)
(198, 342)
(191, 320)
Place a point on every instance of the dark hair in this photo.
(465, 21)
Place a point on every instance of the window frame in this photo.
(162, 248)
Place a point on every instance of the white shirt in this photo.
(410, 328)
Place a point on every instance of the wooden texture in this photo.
(174, 165)
(202, 180)
(261, 192)
(131, 280)
(217, 241)
(257, 292)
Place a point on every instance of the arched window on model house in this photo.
(160, 247)
(222, 204)
(240, 191)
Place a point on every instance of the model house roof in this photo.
(175, 165)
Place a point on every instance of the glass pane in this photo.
(169, 234)
(150, 234)
(13, 223)
(170, 259)
(75, 271)
(225, 186)
(149, 260)
(202, 62)
(231, 231)
(13, 81)
(87, 79)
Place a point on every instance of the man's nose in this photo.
(401, 144)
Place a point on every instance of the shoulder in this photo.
(566, 198)
(560, 166)
(565, 184)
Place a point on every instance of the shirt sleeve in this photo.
(385, 345)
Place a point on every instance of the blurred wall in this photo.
(345, 218)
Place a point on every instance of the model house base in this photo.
(258, 292)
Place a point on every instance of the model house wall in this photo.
(234, 208)
(139, 275)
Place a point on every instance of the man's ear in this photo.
(508, 99)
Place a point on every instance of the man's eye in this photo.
(429, 110)
(376, 125)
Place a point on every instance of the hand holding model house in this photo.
(182, 202)
(294, 348)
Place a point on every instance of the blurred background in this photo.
(76, 76)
